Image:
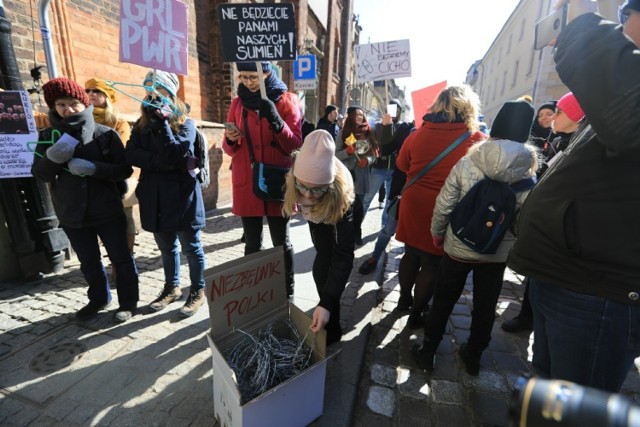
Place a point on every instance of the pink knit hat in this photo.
(314, 163)
(569, 105)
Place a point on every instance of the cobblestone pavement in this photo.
(394, 392)
(155, 370)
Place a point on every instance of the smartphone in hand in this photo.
(231, 127)
(549, 27)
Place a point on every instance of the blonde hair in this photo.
(111, 113)
(459, 100)
(177, 119)
(332, 205)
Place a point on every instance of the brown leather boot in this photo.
(194, 301)
(168, 295)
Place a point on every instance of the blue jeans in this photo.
(384, 237)
(378, 178)
(583, 338)
(113, 234)
(192, 248)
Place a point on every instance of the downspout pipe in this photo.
(45, 31)
(346, 54)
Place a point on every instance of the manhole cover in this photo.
(57, 357)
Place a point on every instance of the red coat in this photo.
(267, 148)
(418, 150)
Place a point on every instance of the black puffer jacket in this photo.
(579, 227)
(91, 200)
(334, 245)
(390, 139)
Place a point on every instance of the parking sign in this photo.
(304, 68)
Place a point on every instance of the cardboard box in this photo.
(248, 294)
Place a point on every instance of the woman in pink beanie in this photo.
(565, 122)
(322, 187)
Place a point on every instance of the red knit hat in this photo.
(62, 87)
(569, 105)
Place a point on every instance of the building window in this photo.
(515, 74)
(504, 82)
(509, 45)
(522, 26)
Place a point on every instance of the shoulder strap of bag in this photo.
(247, 135)
(435, 161)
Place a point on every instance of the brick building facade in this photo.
(85, 36)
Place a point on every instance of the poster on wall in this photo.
(154, 34)
(17, 129)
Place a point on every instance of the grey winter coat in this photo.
(500, 160)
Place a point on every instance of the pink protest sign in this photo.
(153, 33)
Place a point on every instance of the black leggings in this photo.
(279, 229)
(419, 268)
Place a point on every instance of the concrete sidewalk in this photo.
(154, 370)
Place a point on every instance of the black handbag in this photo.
(394, 206)
(268, 180)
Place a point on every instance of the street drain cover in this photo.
(57, 357)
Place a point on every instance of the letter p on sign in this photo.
(304, 68)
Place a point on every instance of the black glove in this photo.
(268, 111)
(158, 108)
(191, 162)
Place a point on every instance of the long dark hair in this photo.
(363, 131)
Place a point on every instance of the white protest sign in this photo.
(382, 61)
(153, 33)
(17, 128)
(257, 32)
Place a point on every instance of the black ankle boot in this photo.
(425, 355)
(471, 359)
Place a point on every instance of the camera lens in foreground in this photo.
(540, 403)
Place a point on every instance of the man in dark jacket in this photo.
(329, 121)
(391, 131)
(578, 239)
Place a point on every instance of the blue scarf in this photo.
(251, 100)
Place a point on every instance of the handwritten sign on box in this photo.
(257, 32)
(17, 130)
(246, 289)
(153, 33)
(382, 61)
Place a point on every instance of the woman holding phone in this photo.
(272, 126)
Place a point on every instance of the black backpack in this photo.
(482, 217)
(201, 148)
